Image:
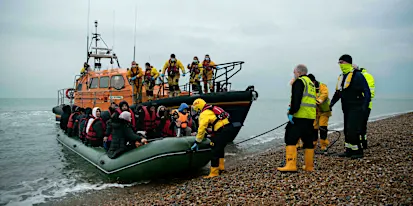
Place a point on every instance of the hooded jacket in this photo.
(64, 119)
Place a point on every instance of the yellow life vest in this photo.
(325, 106)
(308, 102)
(347, 81)
(370, 82)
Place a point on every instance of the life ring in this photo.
(70, 93)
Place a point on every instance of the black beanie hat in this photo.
(311, 77)
(347, 58)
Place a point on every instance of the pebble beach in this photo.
(383, 177)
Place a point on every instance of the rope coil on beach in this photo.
(260, 134)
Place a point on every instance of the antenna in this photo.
(134, 45)
(87, 32)
(113, 35)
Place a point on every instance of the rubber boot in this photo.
(221, 165)
(347, 153)
(308, 160)
(214, 172)
(315, 144)
(357, 154)
(291, 159)
(324, 144)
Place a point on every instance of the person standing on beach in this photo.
(370, 82)
(323, 114)
(354, 92)
(301, 116)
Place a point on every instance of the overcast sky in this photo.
(43, 43)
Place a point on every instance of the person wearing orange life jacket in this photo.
(95, 129)
(172, 66)
(72, 122)
(149, 79)
(216, 118)
(135, 75)
(195, 70)
(207, 73)
(183, 120)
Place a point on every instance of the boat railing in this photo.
(222, 73)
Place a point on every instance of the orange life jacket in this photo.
(185, 121)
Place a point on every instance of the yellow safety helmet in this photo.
(198, 104)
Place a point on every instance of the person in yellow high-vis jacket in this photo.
(221, 128)
(135, 75)
(151, 73)
(195, 70)
(301, 115)
(370, 82)
(207, 74)
(172, 66)
(323, 113)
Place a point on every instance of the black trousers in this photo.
(302, 128)
(323, 133)
(365, 120)
(353, 121)
(220, 140)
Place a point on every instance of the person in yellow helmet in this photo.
(172, 66)
(370, 82)
(135, 75)
(195, 69)
(207, 73)
(221, 128)
(301, 115)
(149, 79)
(323, 114)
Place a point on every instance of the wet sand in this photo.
(384, 176)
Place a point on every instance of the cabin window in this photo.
(79, 87)
(94, 83)
(117, 82)
(104, 82)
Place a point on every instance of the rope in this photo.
(260, 134)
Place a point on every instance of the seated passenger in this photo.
(124, 106)
(64, 118)
(122, 133)
(95, 129)
(149, 123)
(183, 122)
(83, 122)
(108, 133)
(71, 131)
(164, 128)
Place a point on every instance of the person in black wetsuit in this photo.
(354, 92)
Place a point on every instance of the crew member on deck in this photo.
(354, 92)
(195, 70)
(216, 118)
(301, 115)
(207, 74)
(323, 114)
(151, 74)
(172, 66)
(135, 75)
(85, 69)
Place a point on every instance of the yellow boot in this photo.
(308, 160)
(291, 159)
(221, 165)
(324, 144)
(214, 172)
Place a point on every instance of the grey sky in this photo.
(43, 43)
